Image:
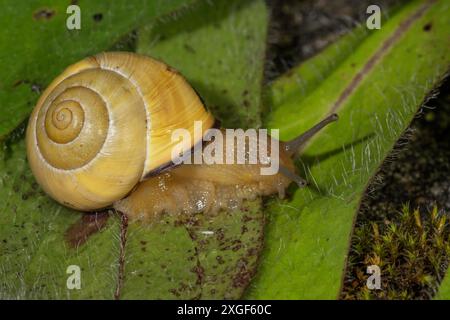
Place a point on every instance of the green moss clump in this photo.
(412, 252)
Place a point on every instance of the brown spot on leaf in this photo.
(174, 292)
(200, 272)
(427, 27)
(97, 17)
(243, 276)
(220, 235)
(236, 248)
(220, 260)
(253, 251)
(18, 83)
(189, 49)
(43, 14)
(24, 196)
(89, 224)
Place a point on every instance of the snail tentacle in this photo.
(295, 144)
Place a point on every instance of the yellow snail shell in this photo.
(104, 124)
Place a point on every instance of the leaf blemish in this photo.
(427, 27)
(89, 224)
(35, 87)
(189, 49)
(43, 14)
(18, 83)
(97, 17)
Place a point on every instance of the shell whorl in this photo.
(66, 139)
(104, 124)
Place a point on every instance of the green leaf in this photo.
(210, 45)
(300, 81)
(35, 45)
(444, 288)
(209, 257)
(221, 53)
(376, 91)
(34, 254)
(376, 86)
(200, 258)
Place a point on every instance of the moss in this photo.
(412, 251)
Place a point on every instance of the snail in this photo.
(101, 135)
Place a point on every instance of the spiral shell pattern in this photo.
(104, 124)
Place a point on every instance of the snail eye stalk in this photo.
(294, 145)
(291, 148)
(292, 176)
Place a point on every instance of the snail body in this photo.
(209, 188)
(100, 136)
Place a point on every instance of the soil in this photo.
(300, 29)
